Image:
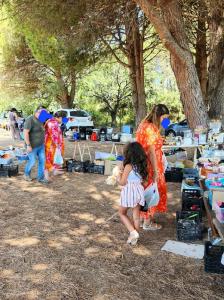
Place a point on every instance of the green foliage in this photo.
(45, 37)
(161, 86)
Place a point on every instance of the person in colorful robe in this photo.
(148, 135)
(54, 142)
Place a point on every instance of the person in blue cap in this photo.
(54, 144)
(34, 137)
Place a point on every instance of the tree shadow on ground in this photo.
(65, 241)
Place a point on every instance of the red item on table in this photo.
(93, 137)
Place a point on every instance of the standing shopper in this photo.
(13, 125)
(148, 135)
(54, 142)
(34, 134)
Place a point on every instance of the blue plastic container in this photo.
(120, 158)
(76, 136)
(208, 183)
(127, 129)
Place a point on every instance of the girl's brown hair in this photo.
(156, 113)
(135, 155)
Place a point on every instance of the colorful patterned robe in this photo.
(147, 135)
(53, 140)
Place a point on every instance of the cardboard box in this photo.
(110, 165)
(98, 162)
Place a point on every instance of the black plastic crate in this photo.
(174, 175)
(77, 166)
(188, 226)
(4, 173)
(191, 193)
(90, 168)
(13, 170)
(190, 173)
(193, 204)
(212, 258)
(9, 170)
(99, 169)
(70, 165)
(95, 169)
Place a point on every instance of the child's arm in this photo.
(122, 178)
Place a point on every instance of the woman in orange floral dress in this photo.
(53, 140)
(148, 135)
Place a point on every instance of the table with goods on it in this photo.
(100, 162)
(202, 191)
(201, 175)
(10, 159)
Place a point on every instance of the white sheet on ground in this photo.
(184, 249)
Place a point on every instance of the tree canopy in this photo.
(49, 48)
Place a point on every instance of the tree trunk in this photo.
(215, 93)
(113, 118)
(170, 29)
(201, 49)
(134, 46)
(66, 98)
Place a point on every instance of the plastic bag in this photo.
(58, 159)
(151, 195)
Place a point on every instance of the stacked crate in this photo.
(189, 219)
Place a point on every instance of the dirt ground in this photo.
(64, 241)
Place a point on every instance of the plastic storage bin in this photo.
(208, 183)
(212, 258)
(174, 175)
(192, 204)
(188, 226)
(9, 170)
(77, 166)
(190, 173)
(95, 169)
(127, 129)
(192, 190)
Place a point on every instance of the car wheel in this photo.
(171, 134)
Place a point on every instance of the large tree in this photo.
(56, 40)
(127, 34)
(215, 92)
(204, 22)
(167, 18)
(112, 90)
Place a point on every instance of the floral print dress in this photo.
(148, 135)
(53, 140)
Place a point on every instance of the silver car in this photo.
(177, 129)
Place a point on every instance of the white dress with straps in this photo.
(132, 193)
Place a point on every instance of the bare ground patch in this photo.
(56, 243)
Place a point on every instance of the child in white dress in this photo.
(133, 173)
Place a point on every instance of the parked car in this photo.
(177, 129)
(77, 119)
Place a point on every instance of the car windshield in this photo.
(184, 122)
(78, 113)
(63, 113)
